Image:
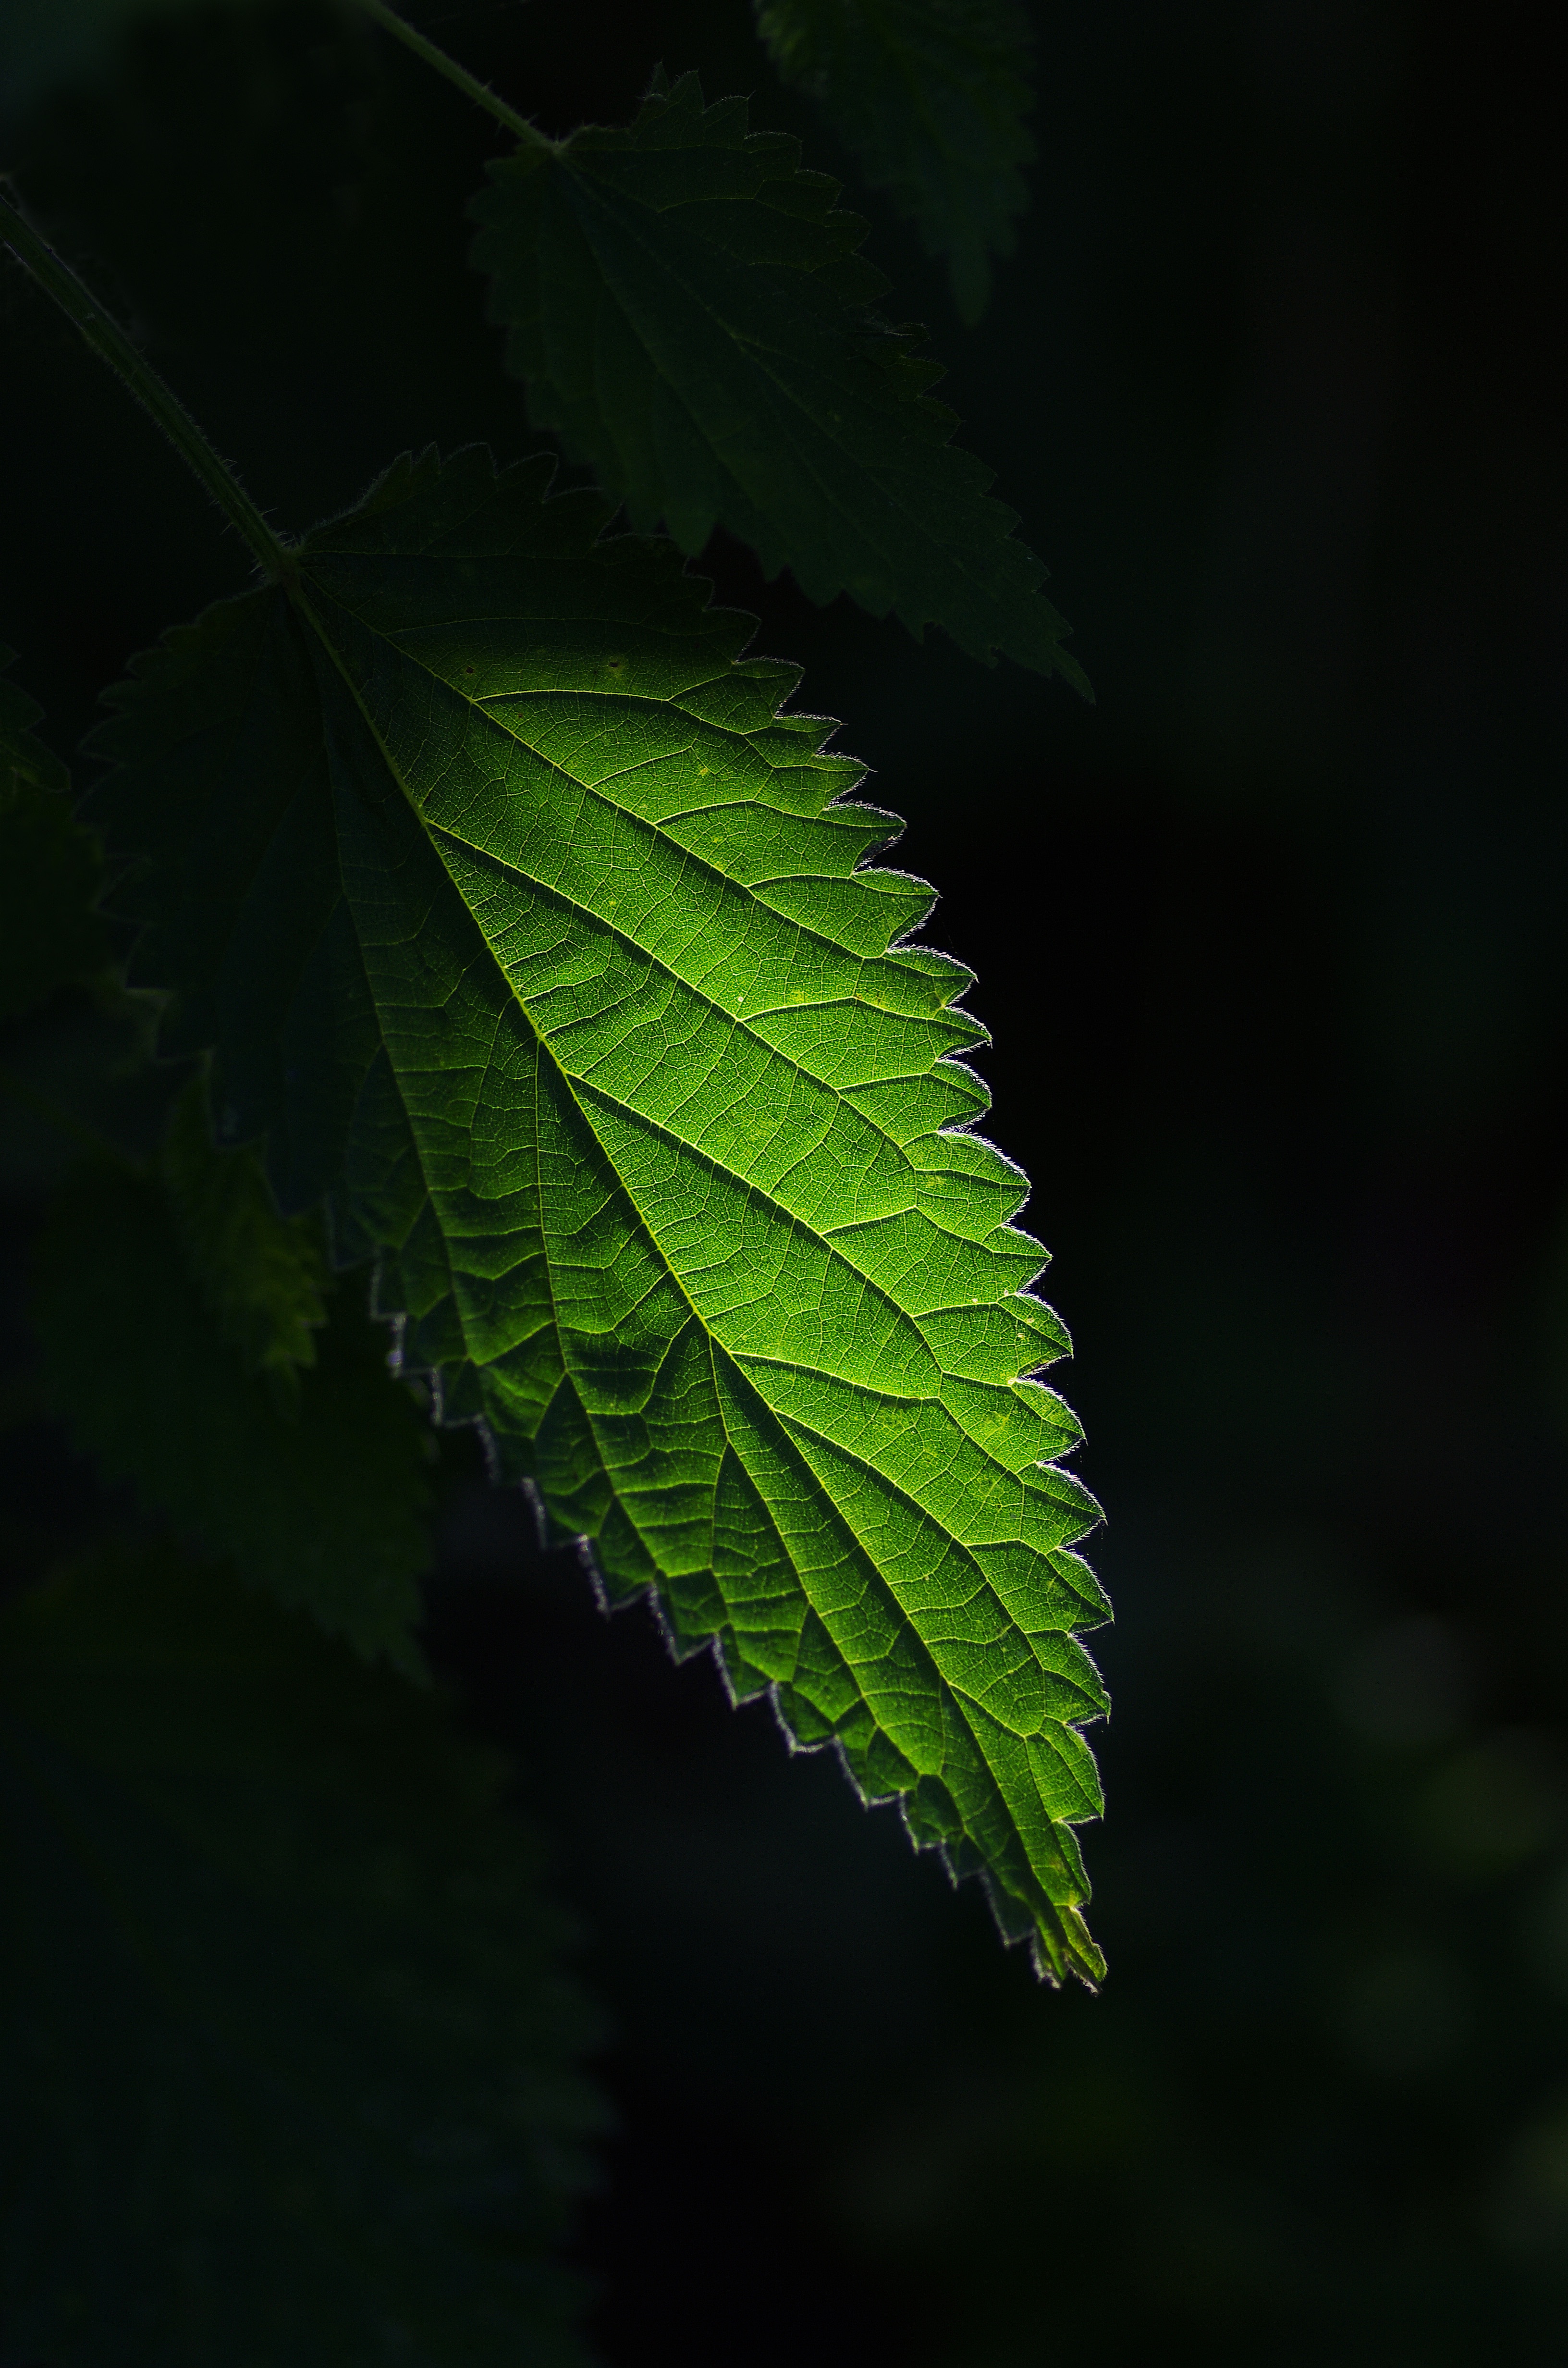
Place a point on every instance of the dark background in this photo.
(1271, 943)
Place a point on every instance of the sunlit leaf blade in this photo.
(931, 94)
(49, 869)
(320, 1500)
(531, 934)
(287, 2059)
(689, 312)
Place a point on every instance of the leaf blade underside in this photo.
(689, 313)
(532, 936)
(932, 96)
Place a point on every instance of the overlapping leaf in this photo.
(932, 96)
(286, 2057)
(49, 869)
(172, 1347)
(689, 311)
(262, 1276)
(534, 937)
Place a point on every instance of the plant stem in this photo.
(111, 345)
(481, 93)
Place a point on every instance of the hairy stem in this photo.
(481, 93)
(111, 345)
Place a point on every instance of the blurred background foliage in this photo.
(287, 2056)
(1272, 944)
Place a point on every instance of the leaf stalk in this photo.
(480, 92)
(110, 343)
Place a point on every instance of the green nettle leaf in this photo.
(51, 870)
(689, 312)
(537, 938)
(288, 2063)
(931, 94)
(261, 1275)
(315, 1485)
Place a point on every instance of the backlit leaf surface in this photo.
(533, 936)
(689, 312)
(932, 96)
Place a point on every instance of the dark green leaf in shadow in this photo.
(690, 314)
(931, 94)
(321, 1501)
(259, 1274)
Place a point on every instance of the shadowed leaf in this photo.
(259, 1274)
(689, 311)
(321, 1501)
(931, 94)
